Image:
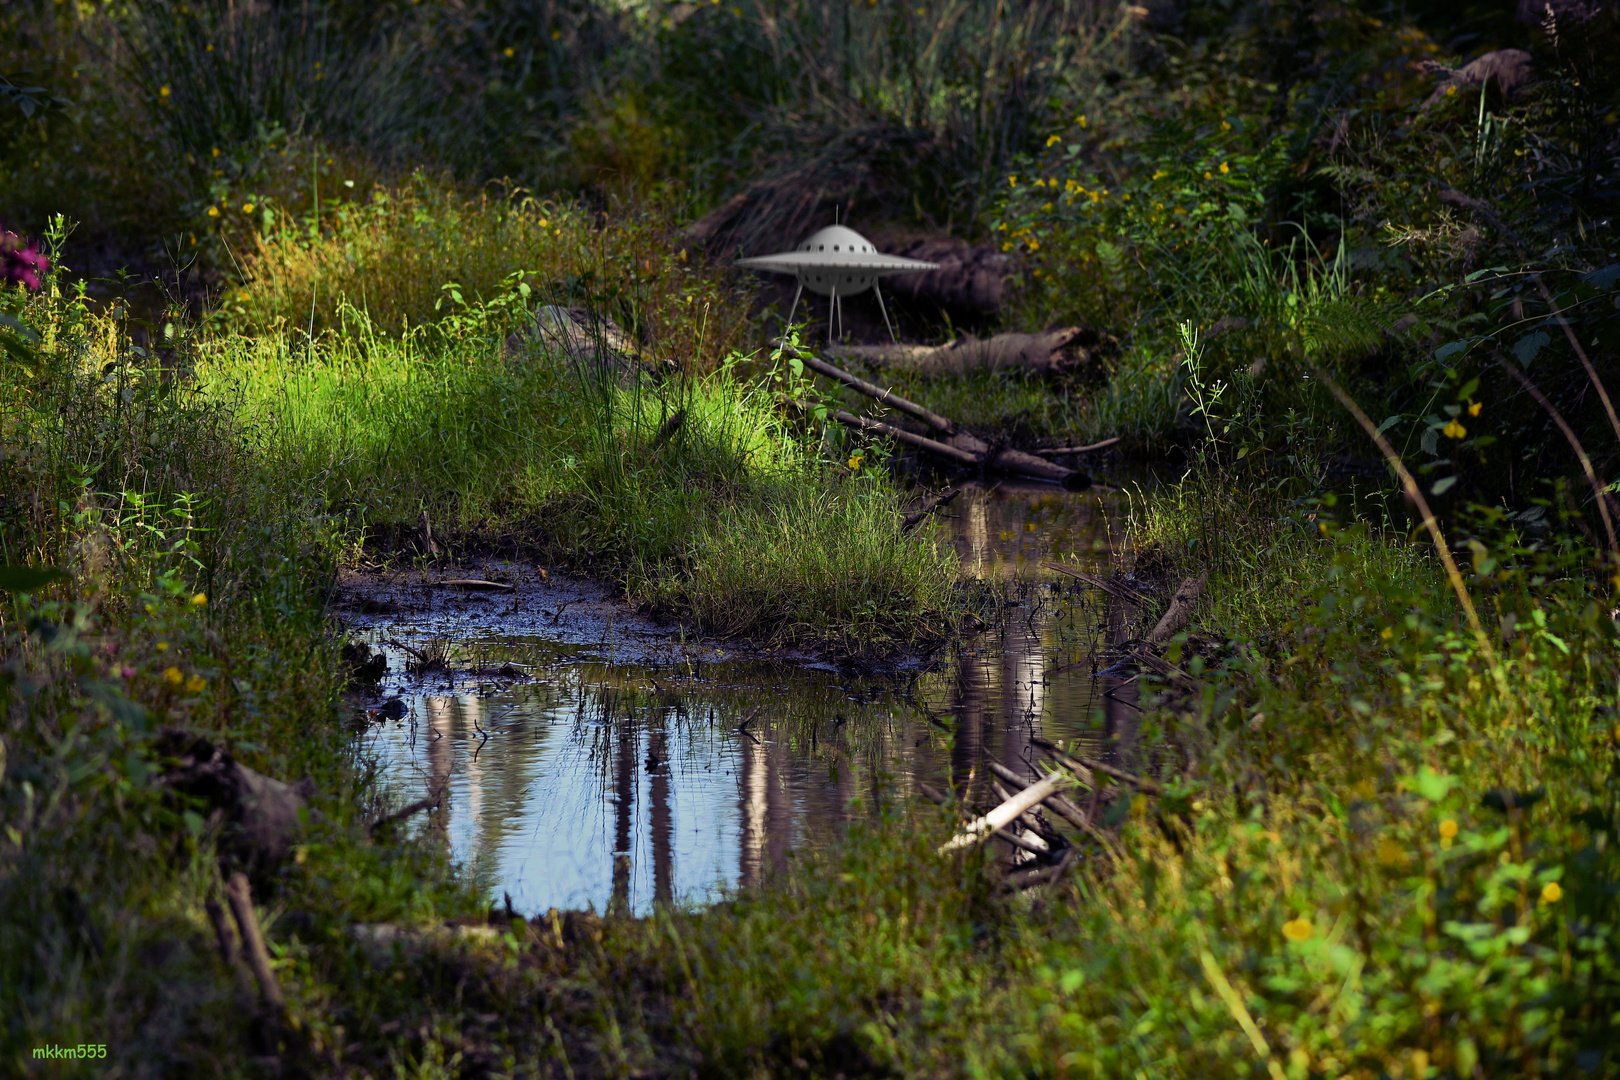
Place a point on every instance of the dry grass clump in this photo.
(425, 250)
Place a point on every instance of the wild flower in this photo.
(1473, 410)
(196, 684)
(1454, 430)
(21, 263)
(1551, 893)
(1297, 929)
(199, 599)
(1448, 829)
(172, 674)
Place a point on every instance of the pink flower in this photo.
(20, 263)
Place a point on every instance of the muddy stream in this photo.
(583, 756)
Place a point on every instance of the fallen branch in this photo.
(475, 583)
(1064, 451)
(964, 447)
(1160, 666)
(1117, 591)
(1083, 767)
(240, 896)
(872, 390)
(917, 517)
(667, 429)
(978, 829)
(1020, 880)
(1179, 612)
(921, 442)
(228, 950)
(1032, 827)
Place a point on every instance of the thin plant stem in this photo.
(1414, 493)
(1598, 490)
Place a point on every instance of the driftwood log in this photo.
(1179, 613)
(1040, 354)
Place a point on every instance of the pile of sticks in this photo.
(952, 443)
(1043, 853)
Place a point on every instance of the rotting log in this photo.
(1059, 804)
(980, 828)
(1042, 354)
(1179, 613)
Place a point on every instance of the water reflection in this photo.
(620, 786)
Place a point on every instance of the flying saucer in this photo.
(837, 262)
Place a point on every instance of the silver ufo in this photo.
(837, 262)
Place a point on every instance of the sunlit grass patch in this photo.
(724, 515)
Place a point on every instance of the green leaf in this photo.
(1528, 346)
(28, 578)
(1444, 485)
(1432, 785)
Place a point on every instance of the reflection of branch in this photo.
(406, 811)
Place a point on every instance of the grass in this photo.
(732, 522)
(1385, 847)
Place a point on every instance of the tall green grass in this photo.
(733, 520)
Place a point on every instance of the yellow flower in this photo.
(1034, 244)
(1053, 140)
(1297, 929)
(1473, 410)
(545, 222)
(1454, 430)
(1012, 181)
(1551, 893)
(172, 674)
(162, 646)
(163, 91)
(247, 208)
(510, 52)
(1082, 121)
(215, 151)
(1448, 829)
(213, 211)
(1160, 175)
(1387, 632)
(1224, 169)
(1226, 125)
(855, 461)
(199, 599)
(1209, 175)
(196, 684)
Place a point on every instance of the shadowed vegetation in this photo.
(1380, 834)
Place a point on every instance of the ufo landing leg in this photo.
(796, 294)
(832, 315)
(889, 326)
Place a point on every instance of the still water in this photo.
(634, 767)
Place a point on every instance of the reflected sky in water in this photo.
(613, 785)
